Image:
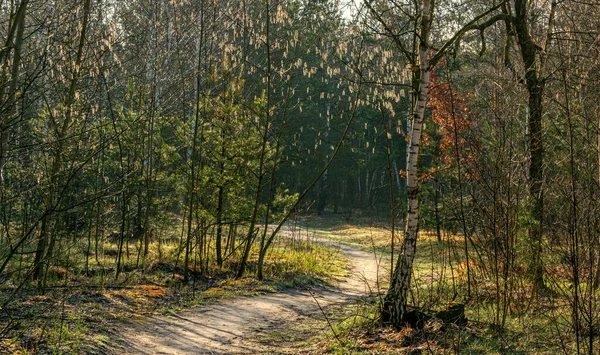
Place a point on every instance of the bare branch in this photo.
(387, 27)
(472, 25)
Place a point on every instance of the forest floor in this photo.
(321, 295)
(256, 324)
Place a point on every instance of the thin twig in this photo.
(325, 315)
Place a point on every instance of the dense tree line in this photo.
(506, 151)
(126, 125)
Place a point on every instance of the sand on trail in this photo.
(230, 326)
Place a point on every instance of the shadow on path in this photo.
(226, 327)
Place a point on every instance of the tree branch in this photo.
(388, 29)
(472, 25)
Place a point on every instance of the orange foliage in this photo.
(150, 291)
(458, 140)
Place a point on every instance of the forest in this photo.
(299, 177)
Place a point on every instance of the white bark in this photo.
(396, 300)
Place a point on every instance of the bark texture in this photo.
(396, 300)
(535, 88)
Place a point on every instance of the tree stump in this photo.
(454, 314)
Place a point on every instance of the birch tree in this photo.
(411, 32)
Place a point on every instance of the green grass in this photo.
(95, 302)
(533, 325)
(79, 311)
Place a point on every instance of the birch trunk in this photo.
(395, 304)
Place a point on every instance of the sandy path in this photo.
(228, 327)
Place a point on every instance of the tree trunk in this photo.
(438, 222)
(19, 27)
(219, 239)
(265, 141)
(388, 153)
(396, 300)
(323, 195)
(45, 241)
(535, 87)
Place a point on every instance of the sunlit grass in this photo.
(80, 304)
(531, 325)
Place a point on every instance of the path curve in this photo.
(228, 327)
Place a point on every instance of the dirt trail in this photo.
(228, 327)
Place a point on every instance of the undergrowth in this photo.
(504, 316)
(79, 309)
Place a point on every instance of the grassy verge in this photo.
(79, 310)
(529, 324)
